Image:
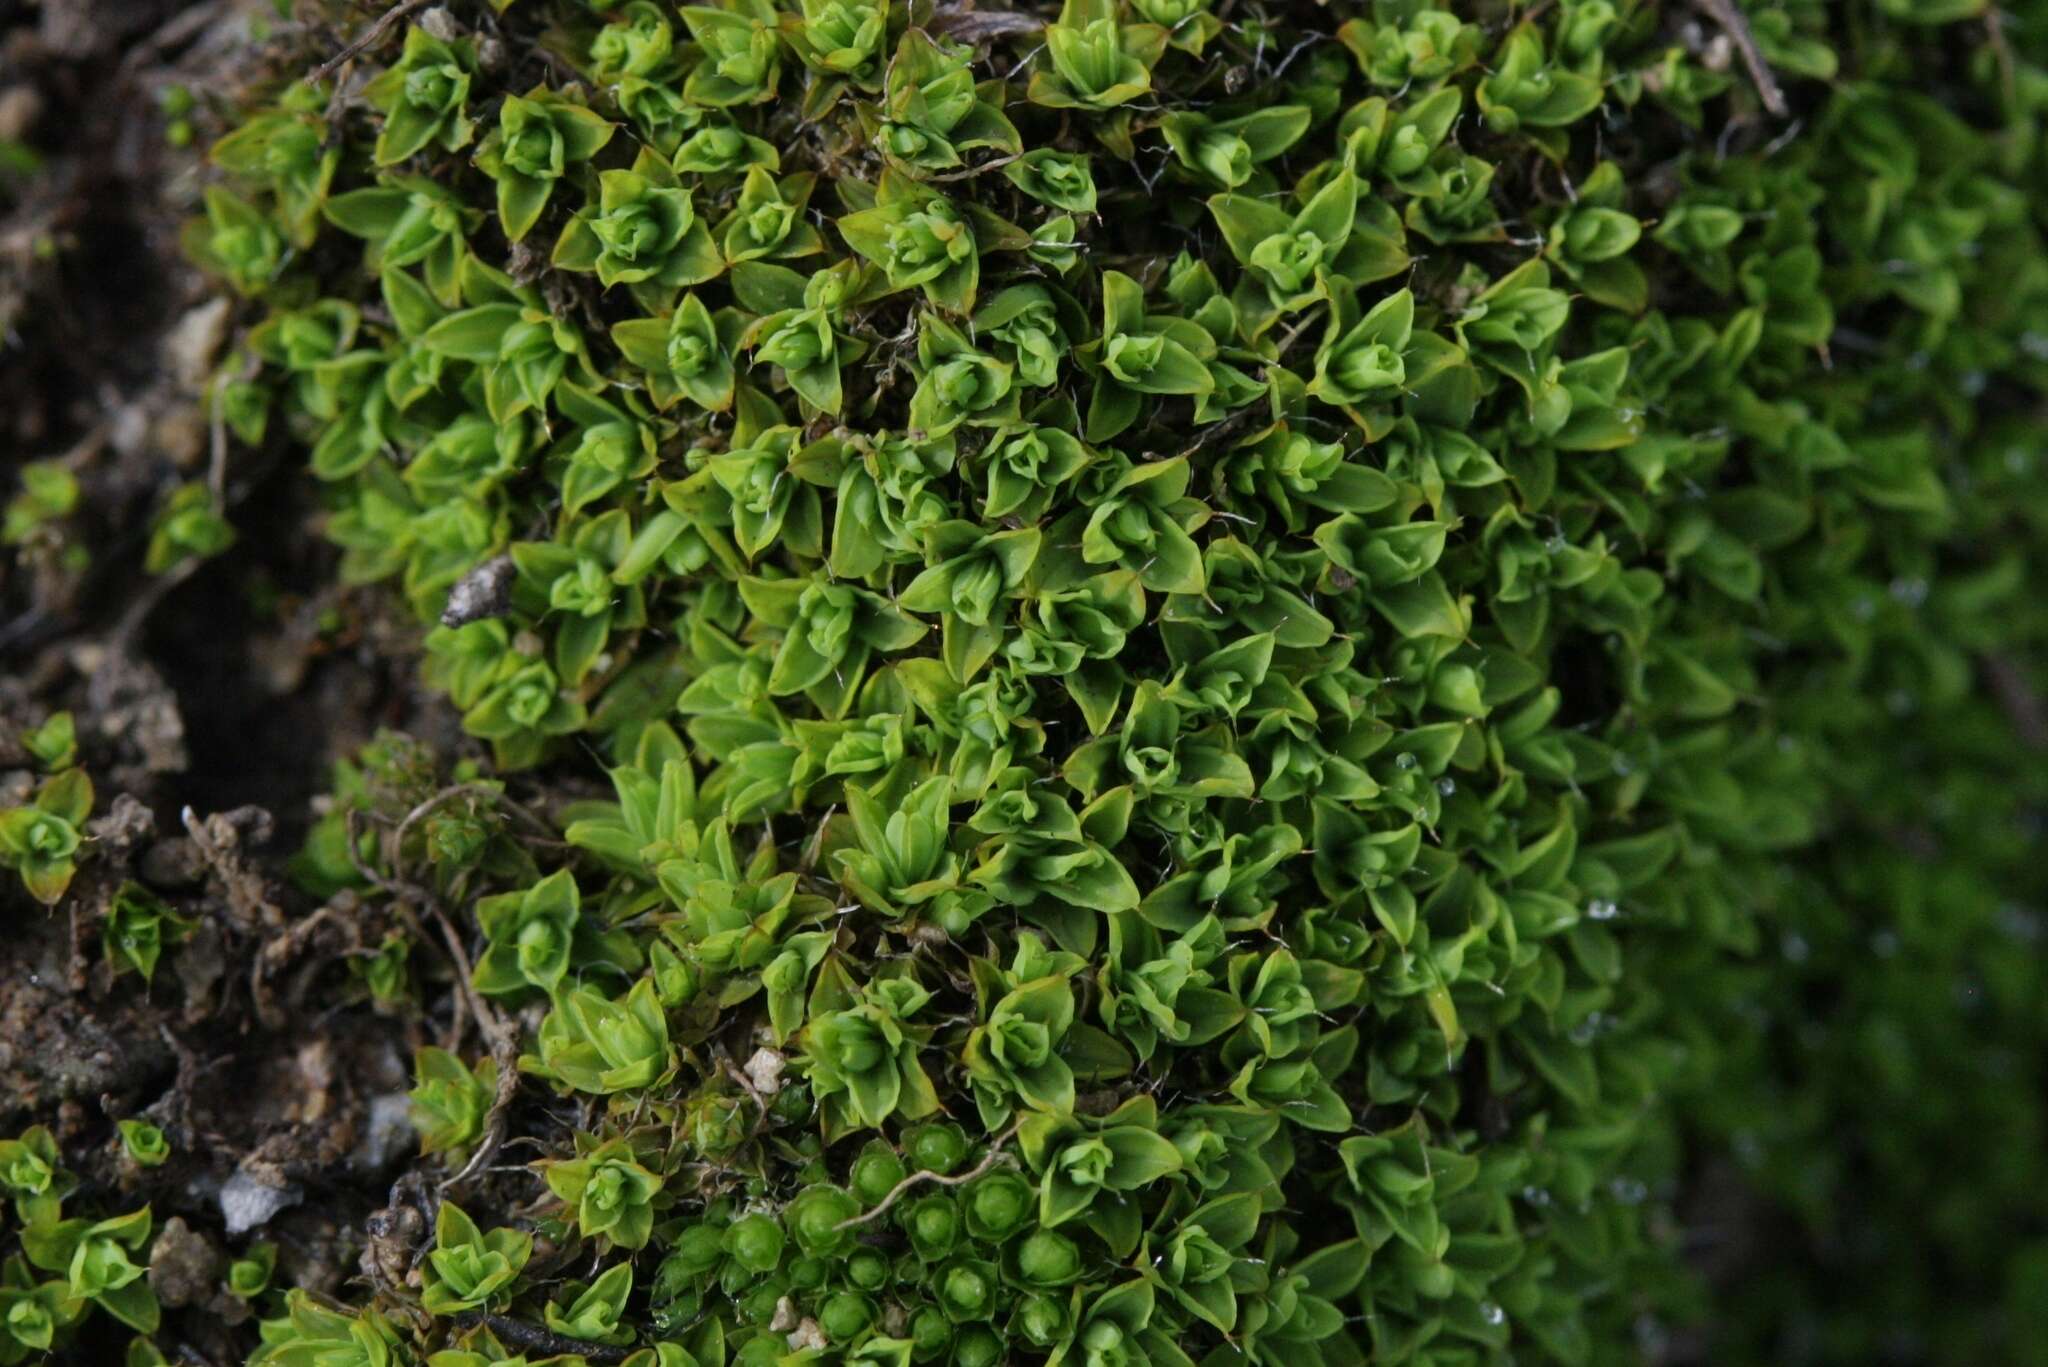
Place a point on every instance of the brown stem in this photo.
(498, 1032)
(533, 1338)
(1731, 20)
(446, 795)
(2001, 51)
(995, 1152)
(2016, 696)
(504, 1049)
(369, 38)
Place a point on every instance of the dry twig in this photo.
(534, 1339)
(989, 1160)
(2016, 696)
(369, 38)
(1732, 22)
(504, 1050)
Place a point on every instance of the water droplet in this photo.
(1796, 949)
(1447, 786)
(1536, 1196)
(1629, 1191)
(1910, 591)
(1587, 1030)
(1555, 544)
(1623, 766)
(1492, 1313)
(1864, 608)
(1651, 1340)
(1406, 760)
(1884, 944)
(1601, 909)
(2021, 924)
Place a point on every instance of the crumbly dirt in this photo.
(210, 706)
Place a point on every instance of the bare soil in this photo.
(210, 706)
